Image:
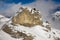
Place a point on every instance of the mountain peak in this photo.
(27, 18)
(27, 24)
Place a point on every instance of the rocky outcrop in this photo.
(27, 18)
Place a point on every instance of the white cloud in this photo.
(10, 11)
(44, 6)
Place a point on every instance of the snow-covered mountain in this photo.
(56, 15)
(28, 24)
(3, 20)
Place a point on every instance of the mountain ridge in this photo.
(18, 31)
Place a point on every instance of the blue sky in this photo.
(26, 1)
(56, 1)
(17, 1)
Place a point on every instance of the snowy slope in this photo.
(37, 32)
(3, 20)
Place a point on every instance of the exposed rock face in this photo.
(26, 18)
